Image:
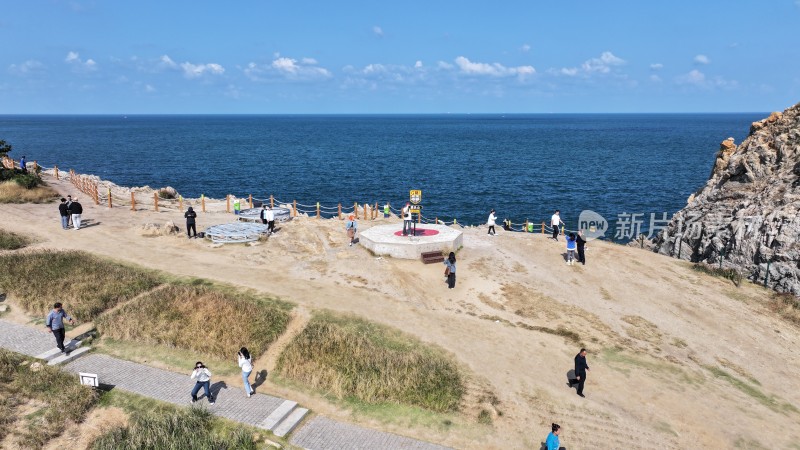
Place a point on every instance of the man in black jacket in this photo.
(581, 247)
(76, 210)
(190, 216)
(580, 371)
(64, 212)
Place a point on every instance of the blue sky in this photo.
(127, 57)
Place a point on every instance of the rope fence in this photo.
(112, 196)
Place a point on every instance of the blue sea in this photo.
(524, 166)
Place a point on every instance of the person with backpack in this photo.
(203, 381)
(246, 363)
(191, 226)
(352, 228)
(76, 210)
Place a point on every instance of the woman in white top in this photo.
(203, 377)
(246, 363)
(491, 222)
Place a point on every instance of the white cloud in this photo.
(656, 66)
(28, 67)
(570, 72)
(525, 48)
(602, 64)
(444, 65)
(655, 78)
(378, 31)
(198, 70)
(701, 59)
(78, 64)
(287, 68)
(418, 65)
(694, 77)
(699, 79)
(149, 88)
(167, 62)
(493, 69)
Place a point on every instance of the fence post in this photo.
(251, 201)
(180, 202)
(317, 210)
(96, 194)
(133, 202)
(203, 202)
(35, 166)
(542, 227)
(109, 198)
(55, 171)
(436, 220)
(419, 217)
(340, 211)
(155, 200)
(228, 203)
(355, 209)
(294, 207)
(271, 202)
(365, 211)
(766, 277)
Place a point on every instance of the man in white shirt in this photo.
(555, 222)
(407, 219)
(270, 216)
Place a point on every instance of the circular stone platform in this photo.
(254, 214)
(236, 232)
(389, 240)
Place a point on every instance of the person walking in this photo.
(571, 247)
(581, 241)
(491, 222)
(386, 210)
(246, 363)
(76, 210)
(264, 214)
(69, 213)
(270, 215)
(351, 227)
(555, 222)
(191, 225)
(580, 371)
(55, 324)
(450, 270)
(63, 211)
(407, 219)
(552, 442)
(203, 377)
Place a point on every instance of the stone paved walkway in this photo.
(320, 433)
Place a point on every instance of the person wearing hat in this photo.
(191, 226)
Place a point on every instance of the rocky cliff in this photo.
(747, 213)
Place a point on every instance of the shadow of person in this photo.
(571, 381)
(261, 377)
(565, 256)
(84, 224)
(216, 387)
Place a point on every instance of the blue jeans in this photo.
(247, 388)
(206, 385)
(65, 222)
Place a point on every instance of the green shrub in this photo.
(205, 320)
(28, 180)
(87, 285)
(183, 429)
(353, 358)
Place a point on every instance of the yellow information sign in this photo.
(415, 196)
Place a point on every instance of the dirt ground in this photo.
(678, 359)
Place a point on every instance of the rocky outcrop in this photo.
(747, 213)
(153, 229)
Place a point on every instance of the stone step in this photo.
(69, 357)
(289, 423)
(50, 354)
(278, 415)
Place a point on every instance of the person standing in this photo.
(264, 214)
(352, 228)
(555, 222)
(571, 246)
(76, 210)
(450, 270)
(69, 213)
(55, 324)
(246, 363)
(581, 247)
(552, 442)
(191, 225)
(580, 371)
(386, 210)
(270, 215)
(407, 219)
(23, 164)
(63, 210)
(203, 377)
(491, 222)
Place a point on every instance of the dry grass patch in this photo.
(55, 398)
(12, 241)
(12, 192)
(787, 306)
(86, 284)
(205, 320)
(642, 329)
(352, 358)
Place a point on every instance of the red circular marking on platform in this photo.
(420, 232)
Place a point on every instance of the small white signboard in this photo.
(88, 379)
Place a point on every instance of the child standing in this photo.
(351, 227)
(571, 247)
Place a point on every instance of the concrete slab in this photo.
(288, 424)
(278, 415)
(69, 357)
(384, 240)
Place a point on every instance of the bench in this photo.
(432, 257)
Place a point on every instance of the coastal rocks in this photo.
(747, 213)
(153, 229)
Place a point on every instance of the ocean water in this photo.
(524, 166)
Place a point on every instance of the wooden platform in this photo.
(432, 257)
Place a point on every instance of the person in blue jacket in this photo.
(571, 247)
(552, 442)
